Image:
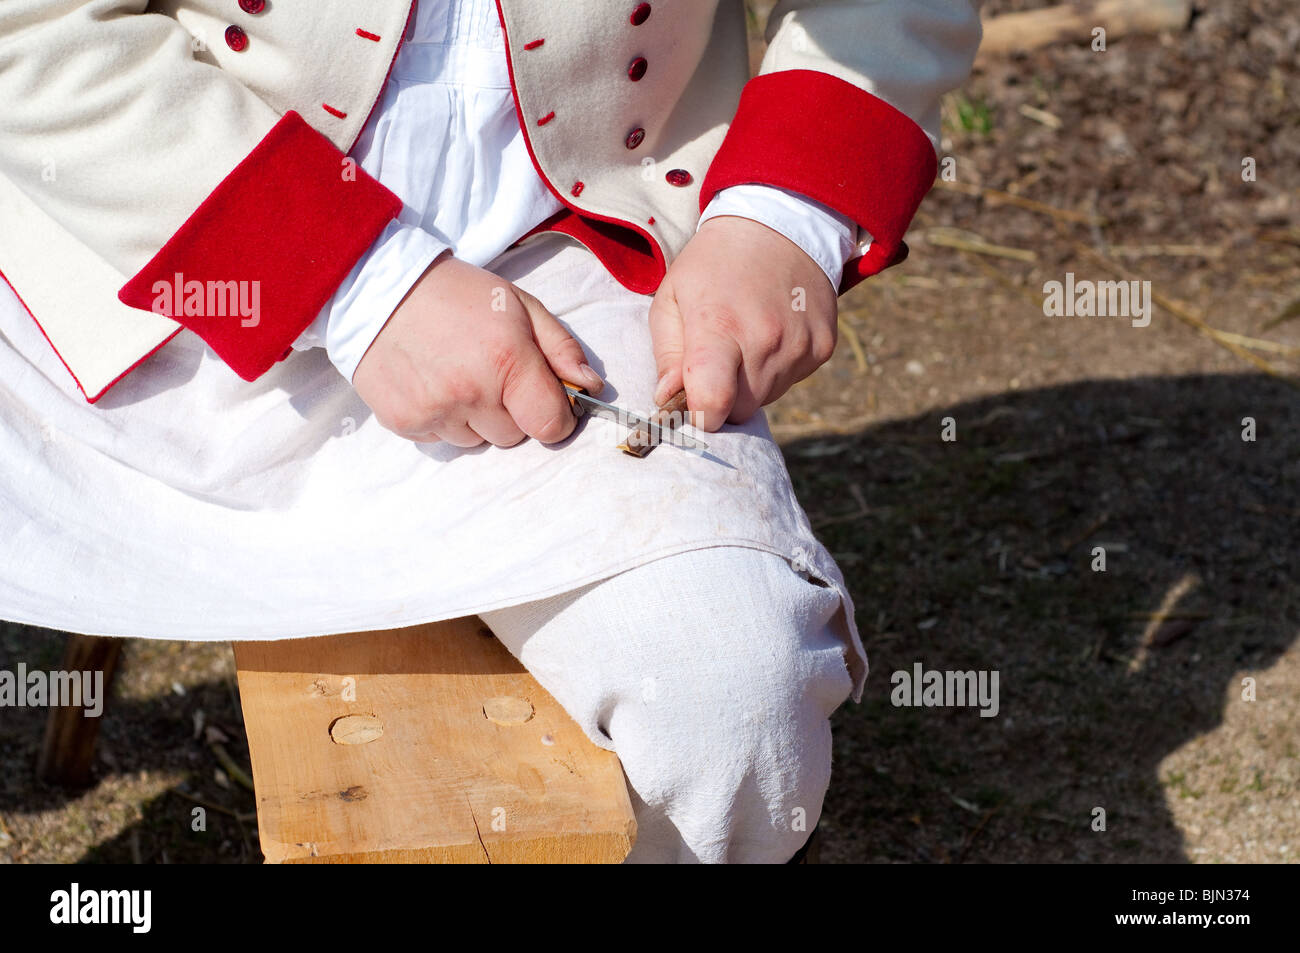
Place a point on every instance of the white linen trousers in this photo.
(189, 504)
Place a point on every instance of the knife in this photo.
(583, 402)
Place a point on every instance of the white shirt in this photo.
(446, 139)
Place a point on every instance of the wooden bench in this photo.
(429, 744)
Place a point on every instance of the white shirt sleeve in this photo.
(829, 238)
(363, 303)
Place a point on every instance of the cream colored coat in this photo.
(121, 118)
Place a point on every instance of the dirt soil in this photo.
(1163, 690)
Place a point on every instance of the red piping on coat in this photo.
(382, 86)
(659, 262)
(90, 398)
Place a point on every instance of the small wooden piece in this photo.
(670, 415)
(429, 744)
(68, 750)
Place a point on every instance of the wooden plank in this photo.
(415, 771)
(68, 749)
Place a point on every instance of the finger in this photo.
(749, 397)
(711, 371)
(496, 426)
(562, 351)
(418, 432)
(535, 400)
(766, 378)
(666, 339)
(761, 381)
(459, 435)
(756, 392)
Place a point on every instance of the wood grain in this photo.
(68, 749)
(670, 415)
(435, 779)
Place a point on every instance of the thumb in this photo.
(561, 350)
(666, 336)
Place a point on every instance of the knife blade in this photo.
(625, 418)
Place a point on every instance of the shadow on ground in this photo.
(150, 762)
(977, 555)
(974, 554)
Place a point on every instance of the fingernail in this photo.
(660, 396)
(590, 376)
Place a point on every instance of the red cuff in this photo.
(255, 263)
(825, 138)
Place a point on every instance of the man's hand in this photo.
(727, 325)
(468, 357)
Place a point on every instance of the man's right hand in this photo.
(467, 357)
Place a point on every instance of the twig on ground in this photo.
(232, 769)
(214, 807)
(962, 803)
(970, 838)
(1169, 251)
(850, 335)
(1186, 315)
(1281, 236)
(1166, 616)
(1289, 313)
(1007, 283)
(997, 197)
(792, 431)
(974, 243)
(1259, 344)
(1050, 120)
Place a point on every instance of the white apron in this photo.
(189, 504)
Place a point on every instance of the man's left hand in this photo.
(742, 315)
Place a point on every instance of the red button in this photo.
(636, 69)
(252, 6)
(236, 38)
(640, 14)
(678, 177)
(635, 137)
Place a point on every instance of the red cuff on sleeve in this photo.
(255, 263)
(825, 138)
